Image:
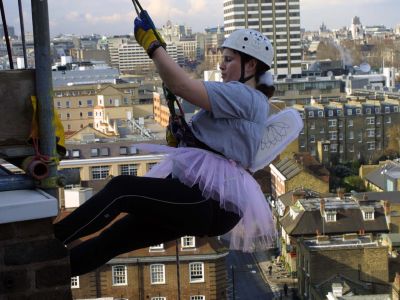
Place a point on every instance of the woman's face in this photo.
(230, 66)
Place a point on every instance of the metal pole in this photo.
(233, 283)
(177, 269)
(44, 88)
(21, 22)
(7, 37)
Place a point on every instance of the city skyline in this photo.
(116, 16)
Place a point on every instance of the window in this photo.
(332, 123)
(396, 109)
(358, 111)
(58, 104)
(320, 113)
(312, 124)
(368, 111)
(341, 148)
(340, 123)
(67, 104)
(196, 271)
(157, 274)
(311, 114)
(75, 282)
(334, 148)
(351, 135)
(197, 297)
(350, 148)
(349, 111)
(94, 152)
(377, 110)
(368, 215)
(80, 103)
(150, 165)
(123, 150)
(312, 138)
(90, 114)
(68, 115)
(333, 135)
(158, 298)
(156, 247)
(100, 172)
(330, 216)
(119, 275)
(330, 113)
(104, 152)
(339, 112)
(188, 242)
(387, 109)
(388, 120)
(350, 123)
(89, 103)
(76, 153)
(326, 147)
(129, 169)
(371, 132)
(370, 120)
(371, 145)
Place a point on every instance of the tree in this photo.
(393, 134)
(354, 182)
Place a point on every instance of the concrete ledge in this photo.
(23, 205)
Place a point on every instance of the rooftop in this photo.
(341, 242)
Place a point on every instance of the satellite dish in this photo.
(365, 67)
(329, 73)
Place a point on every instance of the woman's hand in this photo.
(146, 34)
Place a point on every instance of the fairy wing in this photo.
(281, 129)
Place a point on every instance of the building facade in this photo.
(359, 260)
(347, 131)
(151, 273)
(79, 106)
(279, 20)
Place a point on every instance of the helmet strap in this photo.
(242, 65)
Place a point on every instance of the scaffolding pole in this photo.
(44, 89)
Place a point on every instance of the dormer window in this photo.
(330, 215)
(188, 242)
(368, 213)
(159, 247)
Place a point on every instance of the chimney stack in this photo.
(298, 194)
(322, 206)
(340, 192)
(386, 207)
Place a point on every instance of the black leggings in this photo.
(159, 210)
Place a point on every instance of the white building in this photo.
(279, 20)
(126, 54)
(357, 31)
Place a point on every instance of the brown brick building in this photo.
(359, 263)
(151, 273)
(299, 171)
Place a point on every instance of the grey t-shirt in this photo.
(235, 124)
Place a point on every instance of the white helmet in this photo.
(251, 42)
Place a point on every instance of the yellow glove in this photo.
(146, 34)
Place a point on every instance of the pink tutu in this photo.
(224, 181)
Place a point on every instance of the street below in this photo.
(245, 279)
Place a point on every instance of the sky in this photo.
(116, 16)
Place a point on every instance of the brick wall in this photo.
(33, 264)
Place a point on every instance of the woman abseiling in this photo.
(193, 191)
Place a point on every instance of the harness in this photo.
(178, 126)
